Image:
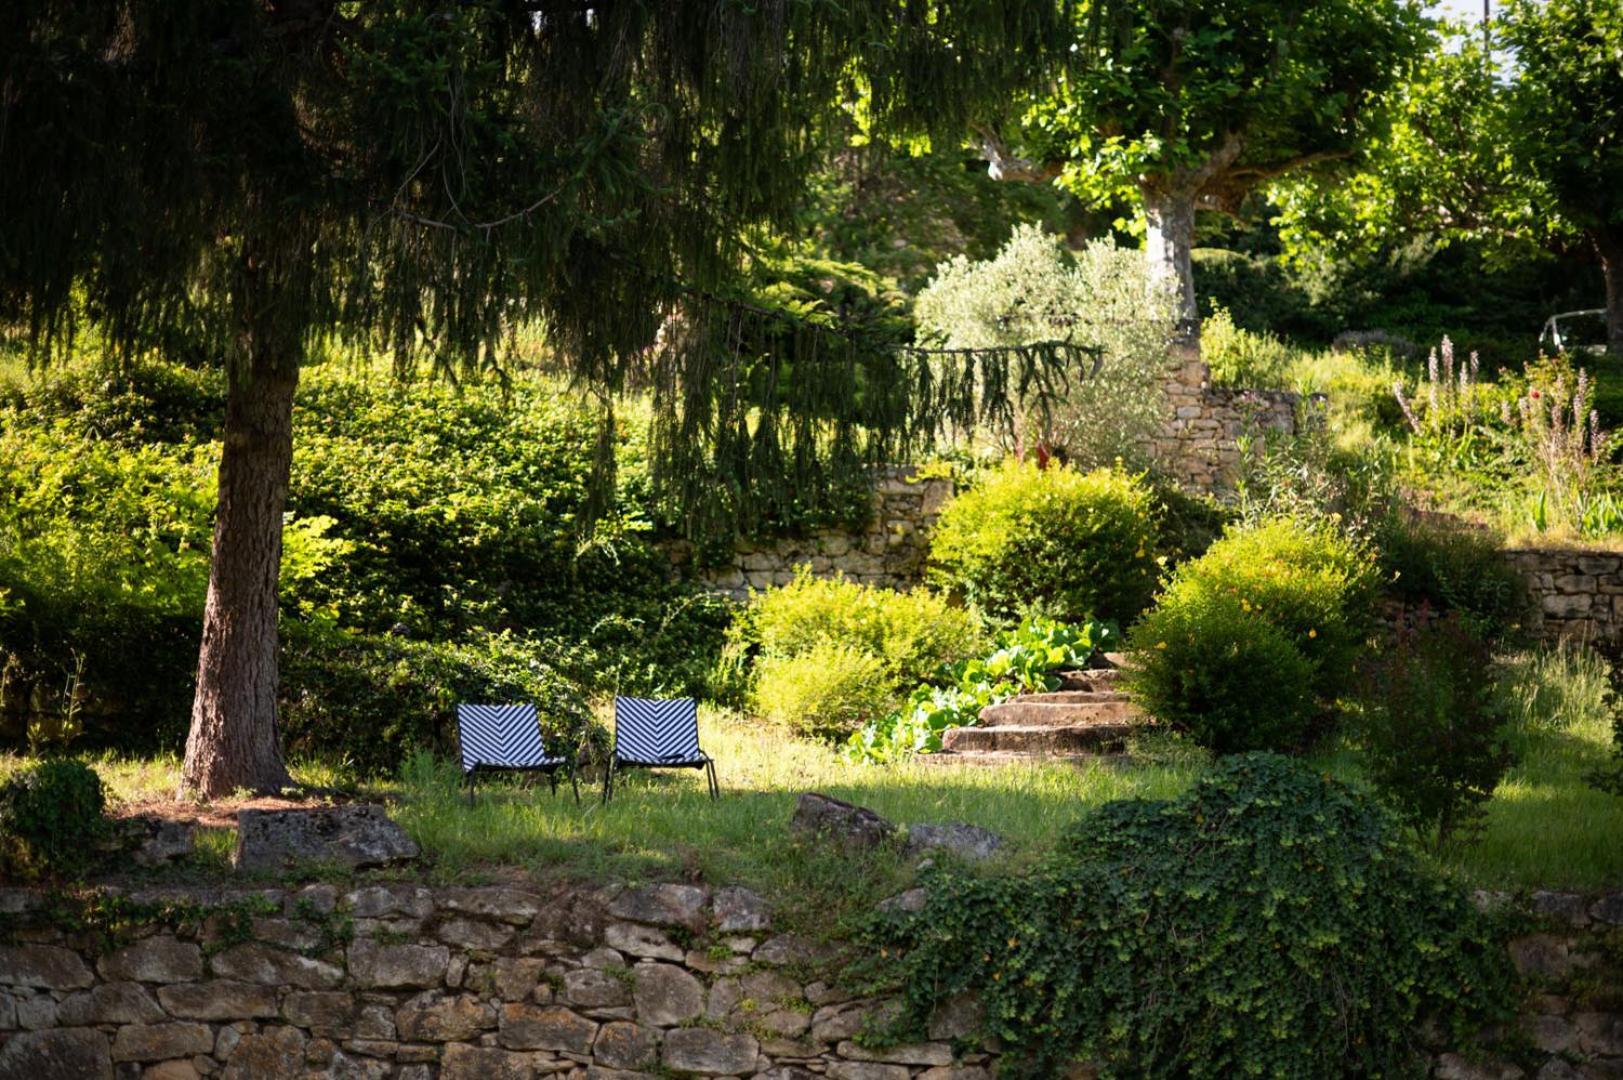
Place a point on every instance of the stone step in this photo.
(1089, 679)
(1039, 738)
(985, 758)
(1026, 712)
(1072, 697)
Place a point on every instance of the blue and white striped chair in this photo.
(507, 738)
(651, 734)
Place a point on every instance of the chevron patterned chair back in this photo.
(507, 738)
(656, 734)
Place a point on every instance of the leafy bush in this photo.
(1023, 661)
(369, 701)
(52, 814)
(910, 634)
(828, 691)
(1453, 569)
(1034, 290)
(1205, 663)
(1074, 545)
(1195, 938)
(1434, 732)
(1308, 579)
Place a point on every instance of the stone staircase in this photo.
(1086, 718)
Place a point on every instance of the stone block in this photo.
(507, 978)
(545, 1027)
(666, 994)
(404, 967)
(709, 1053)
(272, 1052)
(663, 905)
(932, 1053)
(158, 1042)
(739, 910)
(218, 999)
(58, 1054)
(623, 1045)
(475, 934)
(594, 988)
(153, 959)
(865, 1070)
(48, 967)
(270, 966)
(463, 1062)
(515, 906)
(646, 942)
(435, 1017)
(389, 901)
(1599, 1034)
(328, 1013)
(110, 1003)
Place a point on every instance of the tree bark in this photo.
(1167, 244)
(234, 743)
(1610, 246)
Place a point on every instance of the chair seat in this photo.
(543, 761)
(676, 761)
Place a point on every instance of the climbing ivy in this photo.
(1270, 922)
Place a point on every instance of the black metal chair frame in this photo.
(706, 762)
(551, 772)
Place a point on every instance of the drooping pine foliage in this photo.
(424, 176)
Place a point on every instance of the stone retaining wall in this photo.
(1574, 594)
(1199, 444)
(890, 553)
(409, 982)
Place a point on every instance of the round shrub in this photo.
(1196, 937)
(911, 634)
(1077, 545)
(1308, 579)
(51, 816)
(828, 691)
(1204, 664)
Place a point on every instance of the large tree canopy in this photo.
(1528, 152)
(1182, 104)
(251, 177)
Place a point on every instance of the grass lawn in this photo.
(1546, 827)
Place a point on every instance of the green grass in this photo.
(1546, 827)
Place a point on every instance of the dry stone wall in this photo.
(1574, 594)
(1199, 444)
(890, 553)
(409, 982)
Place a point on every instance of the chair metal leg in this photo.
(608, 780)
(469, 781)
(552, 780)
(574, 783)
(710, 769)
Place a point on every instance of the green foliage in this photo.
(910, 634)
(52, 814)
(1451, 568)
(828, 690)
(366, 701)
(425, 522)
(1195, 937)
(1205, 665)
(1610, 776)
(1023, 661)
(1075, 545)
(1036, 290)
(1307, 578)
(1434, 730)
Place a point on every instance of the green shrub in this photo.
(1308, 579)
(369, 701)
(1075, 545)
(1434, 729)
(52, 814)
(1205, 665)
(828, 691)
(1453, 569)
(1196, 937)
(911, 634)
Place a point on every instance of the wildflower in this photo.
(1160, 644)
(1312, 633)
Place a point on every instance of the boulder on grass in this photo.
(969, 842)
(350, 836)
(846, 826)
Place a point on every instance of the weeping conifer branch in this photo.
(762, 420)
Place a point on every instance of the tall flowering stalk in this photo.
(1563, 437)
(1449, 392)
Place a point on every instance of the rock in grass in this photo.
(969, 842)
(831, 820)
(349, 836)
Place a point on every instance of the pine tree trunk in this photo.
(1168, 244)
(1610, 246)
(234, 742)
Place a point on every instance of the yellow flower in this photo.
(1312, 633)
(1160, 644)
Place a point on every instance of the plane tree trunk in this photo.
(1610, 246)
